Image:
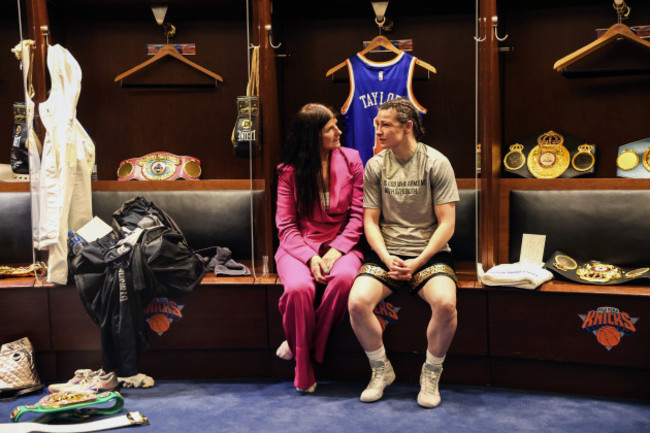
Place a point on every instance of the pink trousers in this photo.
(307, 328)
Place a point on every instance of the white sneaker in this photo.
(79, 376)
(88, 381)
(382, 376)
(429, 395)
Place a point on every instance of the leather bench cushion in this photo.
(462, 244)
(612, 226)
(206, 217)
(15, 228)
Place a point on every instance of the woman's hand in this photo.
(317, 268)
(330, 258)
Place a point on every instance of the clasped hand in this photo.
(401, 269)
(320, 267)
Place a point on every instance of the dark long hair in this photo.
(302, 152)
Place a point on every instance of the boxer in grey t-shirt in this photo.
(409, 216)
(407, 192)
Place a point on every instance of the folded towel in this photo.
(520, 275)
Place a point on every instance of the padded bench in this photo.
(612, 226)
(206, 217)
(538, 339)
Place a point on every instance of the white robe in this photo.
(66, 165)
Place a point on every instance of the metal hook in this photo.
(495, 23)
(270, 36)
(46, 34)
(477, 39)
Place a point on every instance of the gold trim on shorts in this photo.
(421, 276)
(379, 273)
(382, 275)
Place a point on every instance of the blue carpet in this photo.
(274, 406)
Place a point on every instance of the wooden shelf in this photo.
(180, 185)
(621, 183)
(14, 187)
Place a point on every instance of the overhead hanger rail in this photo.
(382, 41)
(165, 51)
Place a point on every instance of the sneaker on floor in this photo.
(429, 395)
(95, 381)
(284, 352)
(139, 380)
(79, 377)
(382, 376)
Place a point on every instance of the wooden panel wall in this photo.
(11, 87)
(108, 38)
(607, 112)
(316, 40)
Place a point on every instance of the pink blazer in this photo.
(340, 227)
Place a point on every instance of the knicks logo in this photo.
(386, 313)
(160, 313)
(609, 325)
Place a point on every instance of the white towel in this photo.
(520, 275)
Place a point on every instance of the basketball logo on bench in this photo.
(609, 325)
(160, 313)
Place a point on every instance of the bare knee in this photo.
(444, 310)
(358, 304)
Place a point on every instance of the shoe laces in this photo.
(430, 382)
(377, 378)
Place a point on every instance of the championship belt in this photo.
(550, 155)
(160, 166)
(633, 160)
(37, 269)
(593, 271)
(72, 404)
(245, 135)
(549, 159)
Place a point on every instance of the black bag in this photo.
(169, 266)
(146, 256)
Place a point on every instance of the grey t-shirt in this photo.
(406, 193)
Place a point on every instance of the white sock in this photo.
(377, 355)
(433, 360)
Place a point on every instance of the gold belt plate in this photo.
(599, 272)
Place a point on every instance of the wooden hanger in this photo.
(616, 31)
(382, 41)
(167, 50)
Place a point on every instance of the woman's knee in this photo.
(295, 291)
(343, 279)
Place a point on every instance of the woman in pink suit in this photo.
(320, 219)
